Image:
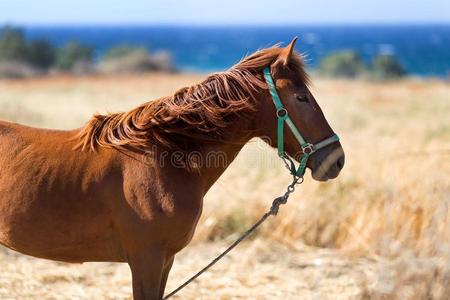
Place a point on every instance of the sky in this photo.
(225, 12)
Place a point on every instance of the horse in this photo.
(129, 186)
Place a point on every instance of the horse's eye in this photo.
(302, 98)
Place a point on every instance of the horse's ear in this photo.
(286, 53)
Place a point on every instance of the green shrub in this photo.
(345, 64)
(129, 59)
(72, 54)
(386, 67)
(41, 54)
(123, 51)
(12, 45)
(18, 69)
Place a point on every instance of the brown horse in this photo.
(128, 187)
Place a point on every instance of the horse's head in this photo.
(291, 85)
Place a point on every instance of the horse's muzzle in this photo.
(328, 163)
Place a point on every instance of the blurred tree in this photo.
(132, 59)
(72, 54)
(345, 63)
(41, 54)
(12, 45)
(387, 67)
(121, 51)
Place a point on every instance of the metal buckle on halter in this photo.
(282, 113)
(308, 148)
(288, 163)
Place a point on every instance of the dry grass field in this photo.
(379, 231)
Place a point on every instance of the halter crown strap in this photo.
(283, 117)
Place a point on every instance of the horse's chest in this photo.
(162, 220)
(184, 229)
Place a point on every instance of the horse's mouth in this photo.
(324, 175)
(326, 170)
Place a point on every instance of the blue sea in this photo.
(423, 50)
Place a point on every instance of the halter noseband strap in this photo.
(283, 117)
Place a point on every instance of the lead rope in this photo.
(273, 211)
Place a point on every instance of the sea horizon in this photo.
(423, 49)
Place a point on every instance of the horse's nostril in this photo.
(341, 162)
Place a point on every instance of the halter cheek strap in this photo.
(282, 118)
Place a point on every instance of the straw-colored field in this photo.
(379, 231)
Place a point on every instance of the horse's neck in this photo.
(217, 158)
(213, 165)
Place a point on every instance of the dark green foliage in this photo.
(14, 48)
(12, 45)
(41, 54)
(386, 67)
(71, 54)
(345, 64)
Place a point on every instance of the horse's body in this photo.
(125, 201)
(75, 206)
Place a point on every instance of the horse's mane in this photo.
(193, 115)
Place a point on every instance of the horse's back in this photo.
(4, 128)
(8, 135)
(14, 135)
(24, 148)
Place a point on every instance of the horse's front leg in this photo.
(147, 269)
(165, 275)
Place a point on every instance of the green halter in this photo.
(283, 117)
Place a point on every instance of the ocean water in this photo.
(423, 50)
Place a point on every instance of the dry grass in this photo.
(380, 231)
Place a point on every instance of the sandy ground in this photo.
(255, 270)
